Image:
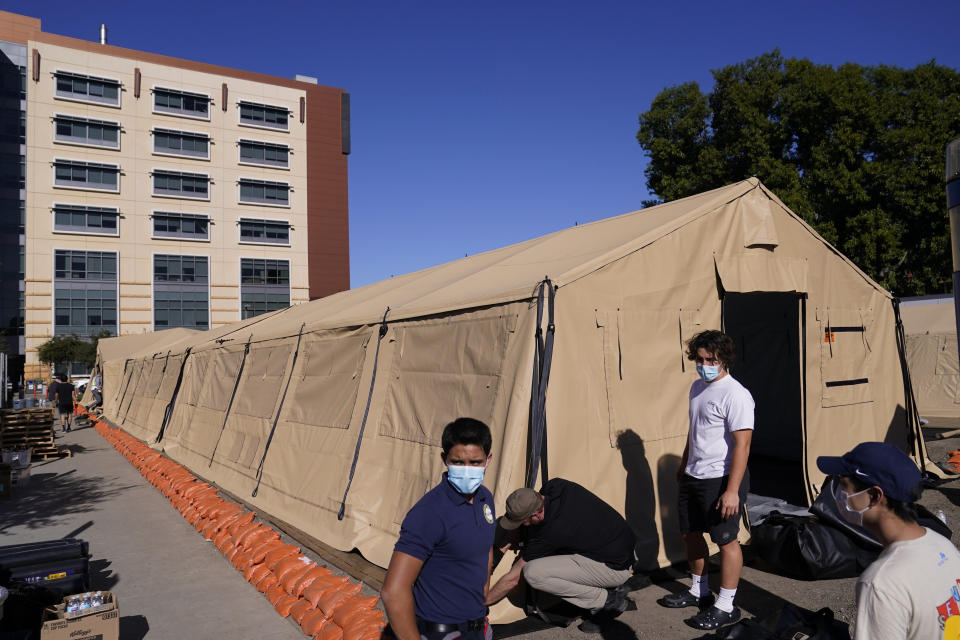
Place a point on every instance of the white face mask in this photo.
(466, 480)
(848, 513)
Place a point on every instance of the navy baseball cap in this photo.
(876, 463)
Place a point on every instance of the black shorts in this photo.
(698, 507)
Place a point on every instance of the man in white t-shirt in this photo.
(713, 479)
(912, 591)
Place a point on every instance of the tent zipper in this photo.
(366, 411)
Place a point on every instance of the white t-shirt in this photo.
(717, 409)
(912, 592)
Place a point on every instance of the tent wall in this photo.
(428, 372)
(932, 354)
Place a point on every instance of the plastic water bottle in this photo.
(97, 599)
(941, 516)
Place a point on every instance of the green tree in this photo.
(857, 151)
(60, 351)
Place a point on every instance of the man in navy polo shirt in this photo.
(440, 570)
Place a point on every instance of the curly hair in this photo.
(716, 342)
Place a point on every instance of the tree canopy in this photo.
(62, 350)
(857, 151)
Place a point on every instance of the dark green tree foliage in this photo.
(857, 151)
(62, 350)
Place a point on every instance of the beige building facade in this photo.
(162, 193)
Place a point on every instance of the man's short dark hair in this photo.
(906, 511)
(63, 377)
(716, 342)
(466, 431)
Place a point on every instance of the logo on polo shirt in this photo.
(488, 513)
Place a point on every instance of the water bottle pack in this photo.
(80, 603)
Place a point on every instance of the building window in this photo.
(181, 185)
(190, 226)
(86, 175)
(180, 293)
(264, 231)
(264, 192)
(264, 154)
(264, 286)
(264, 115)
(85, 292)
(81, 219)
(181, 143)
(76, 86)
(181, 103)
(96, 133)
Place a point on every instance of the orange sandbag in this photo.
(330, 632)
(242, 520)
(242, 559)
(273, 558)
(268, 581)
(351, 608)
(245, 539)
(238, 531)
(260, 551)
(290, 564)
(320, 586)
(209, 529)
(284, 604)
(274, 594)
(256, 573)
(231, 553)
(333, 598)
(249, 572)
(365, 632)
(290, 580)
(300, 608)
(313, 622)
(307, 579)
(221, 538)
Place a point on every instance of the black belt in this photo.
(425, 626)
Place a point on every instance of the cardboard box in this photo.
(95, 623)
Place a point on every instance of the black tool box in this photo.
(39, 575)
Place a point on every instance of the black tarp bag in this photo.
(788, 623)
(806, 548)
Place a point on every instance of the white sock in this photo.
(725, 599)
(700, 585)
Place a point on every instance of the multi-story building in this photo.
(141, 192)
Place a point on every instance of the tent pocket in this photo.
(845, 357)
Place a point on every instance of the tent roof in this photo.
(494, 277)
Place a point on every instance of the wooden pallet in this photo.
(46, 453)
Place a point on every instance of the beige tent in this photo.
(329, 417)
(931, 330)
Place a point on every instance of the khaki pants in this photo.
(579, 580)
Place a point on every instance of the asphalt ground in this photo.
(171, 583)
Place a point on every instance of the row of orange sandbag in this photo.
(325, 605)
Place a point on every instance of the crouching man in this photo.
(573, 545)
(913, 589)
(440, 569)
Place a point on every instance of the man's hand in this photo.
(728, 504)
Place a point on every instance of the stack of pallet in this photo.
(30, 428)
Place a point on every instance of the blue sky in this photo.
(479, 124)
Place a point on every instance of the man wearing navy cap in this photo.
(913, 589)
(440, 569)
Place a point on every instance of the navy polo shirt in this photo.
(453, 538)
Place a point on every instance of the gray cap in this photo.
(521, 504)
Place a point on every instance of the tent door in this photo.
(766, 330)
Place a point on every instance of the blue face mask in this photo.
(466, 480)
(708, 372)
